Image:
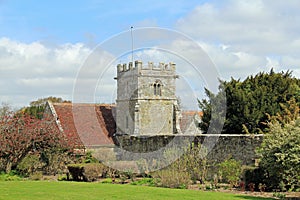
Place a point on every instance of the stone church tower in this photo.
(146, 101)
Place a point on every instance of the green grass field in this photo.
(39, 190)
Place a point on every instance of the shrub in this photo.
(280, 155)
(55, 162)
(76, 171)
(279, 195)
(261, 187)
(107, 180)
(88, 158)
(29, 165)
(36, 176)
(10, 177)
(251, 186)
(87, 172)
(253, 175)
(230, 170)
(144, 181)
(93, 171)
(62, 178)
(172, 178)
(242, 186)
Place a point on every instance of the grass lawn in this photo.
(38, 190)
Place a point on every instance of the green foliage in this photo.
(280, 155)
(38, 107)
(128, 174)
(279, 195)
(55, 161)
(230, 170)
(88, 158)
(107, 180)
(12, 176)
(63, 178)
(214, 111)
(29, 164)
(249, 101)
(145, 182)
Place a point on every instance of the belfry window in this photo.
(157, 89)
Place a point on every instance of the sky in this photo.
(44, 46)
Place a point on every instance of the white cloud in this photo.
(31, 71)
(245, 37)
(240, 37)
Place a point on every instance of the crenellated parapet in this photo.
(138, 65)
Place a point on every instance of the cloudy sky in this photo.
(45, 45)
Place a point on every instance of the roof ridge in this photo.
(84, 104)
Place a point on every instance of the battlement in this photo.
(138, 65)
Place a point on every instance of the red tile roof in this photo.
(187, 118)
(92, 124)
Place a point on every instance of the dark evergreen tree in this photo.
(249, 102)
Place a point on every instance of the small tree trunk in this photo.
(8, 167)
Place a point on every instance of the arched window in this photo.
(157, 88)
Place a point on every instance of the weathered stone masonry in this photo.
(239, 147)
(146, 101)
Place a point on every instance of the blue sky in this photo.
(43, 45)
(82, 21)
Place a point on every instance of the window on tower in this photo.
(157, 89)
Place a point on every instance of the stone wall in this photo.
(239, 147)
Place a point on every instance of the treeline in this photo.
(249, 103)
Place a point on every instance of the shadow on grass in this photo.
(253, 198)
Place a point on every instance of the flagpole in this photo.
(131, 44)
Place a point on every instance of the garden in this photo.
(37, 162)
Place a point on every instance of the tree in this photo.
(5, 109)
(37, 108)
(214, 111)
(280, 150)
(21, 134)
(250, 101)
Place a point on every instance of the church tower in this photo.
(146, 101)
